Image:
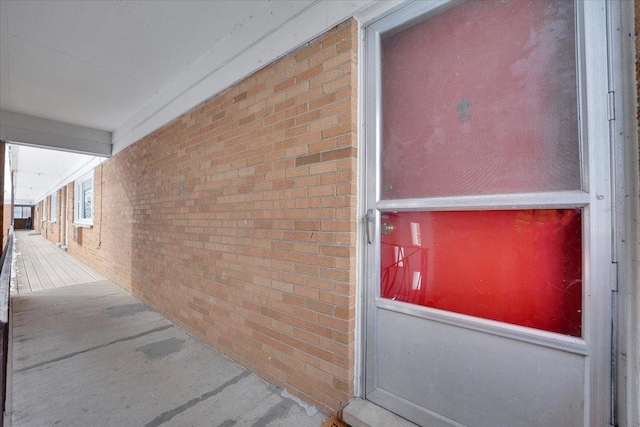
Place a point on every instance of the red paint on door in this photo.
(481, 99)
(522, 267)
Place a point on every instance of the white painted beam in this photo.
(39, 132)
(22, 202)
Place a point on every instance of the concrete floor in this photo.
(92, 355)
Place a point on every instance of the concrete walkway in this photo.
(92, 355)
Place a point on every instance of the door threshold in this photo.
(362, 413)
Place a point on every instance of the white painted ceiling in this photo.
(127, 67)
(41, 170)
(96, 63)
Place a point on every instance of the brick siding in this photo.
(52, 230)
(6, 222)
(237, 220)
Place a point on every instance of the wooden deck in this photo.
(41, 264)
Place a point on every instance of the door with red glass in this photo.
(488, 260)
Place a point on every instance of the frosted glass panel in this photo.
(522, 267)
(481, 99)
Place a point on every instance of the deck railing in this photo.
(5, 284)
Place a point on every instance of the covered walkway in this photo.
(86, 353)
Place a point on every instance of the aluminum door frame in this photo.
(593, 90)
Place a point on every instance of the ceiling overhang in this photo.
(35, 131)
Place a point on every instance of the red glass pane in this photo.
(481, 99)
(522, 267)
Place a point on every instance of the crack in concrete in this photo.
(168, 415)
(76, 353)
(272, 388)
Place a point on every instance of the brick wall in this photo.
(6, 220)
(57, 225)
(107, 245)
(46, 215)
(52, 230)
(237, 220)
(37, 223)
(46, 224)
(63, 220)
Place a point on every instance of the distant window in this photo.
(54, 207)
(21, 212)
(84, 199)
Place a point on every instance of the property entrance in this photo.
(489, 229)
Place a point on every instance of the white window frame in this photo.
(78, 199)
(53, 206)
(22, 212)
